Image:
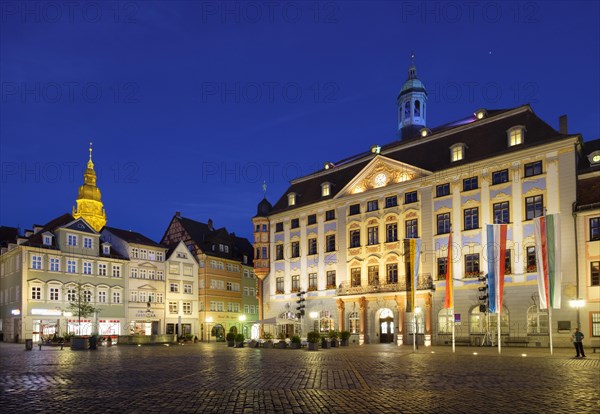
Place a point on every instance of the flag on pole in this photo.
(412, 249)
(547, 251)
(496, 255)
(449, 303)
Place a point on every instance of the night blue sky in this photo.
(192, 105)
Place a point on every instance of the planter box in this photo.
(345, 342)
(268, 344)
(281, 345)
(313, 346)
(295, 346)
(325, 344)
(334, 343)
(78, 344)
(230, 343)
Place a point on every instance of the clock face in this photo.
(380, 180)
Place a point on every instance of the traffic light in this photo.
(483, 294)
(300, 302)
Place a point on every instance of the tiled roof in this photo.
(132, 237)
(37, 239)
(8, 235)
(484, 138)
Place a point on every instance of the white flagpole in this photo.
(414, 329)
(550, 326)
(499, 332)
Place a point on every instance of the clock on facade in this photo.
(380, 180)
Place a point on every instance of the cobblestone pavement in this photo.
(211, 378)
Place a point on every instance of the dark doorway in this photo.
(386, 330)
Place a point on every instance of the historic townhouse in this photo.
(146, 283)
(338, 234)
(224, 264)
(587, 216)
(182, 291)
(53, 265)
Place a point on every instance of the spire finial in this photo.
(90, 150)
(412, 69)
(264, 188)
(412, 57)
(90, 163)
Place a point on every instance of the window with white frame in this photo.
(537, 320)
(174, 268)
(173, 307)
(36, 293)
(151, 255)
(87, 268)
(71, 266)
(135, 252)
(143, 274)
(116, 297)
(160, 257)
(54, 294)
(102, 269)
(151, 274)
(106, 249)
(36, 262)
(515, 135)
(87, 243)
(188, 270)
(159, 297)
(54, 264)
(71, 295)
(187, 288)
(47, 240)
(133, 296)
(102, 296)
(71, 240)
(457, 152)
(445, 321)
(160, 275)
(143, 254)
(87, 295)
(116, 270)
(187, 308)
(174, 288)
(354, 320)
(134, 272)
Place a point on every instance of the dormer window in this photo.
(325, 189)
(515, 135)
(291, 199)
(457, 152)
(106, 249)
(47, 239)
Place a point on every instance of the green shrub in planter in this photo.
(230, 338)
(295, 342)
(313, 341)
(345, 337)
(239, 340)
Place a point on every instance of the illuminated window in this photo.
(325, 189)
(537, 320)
(173, 307)
(330, 279)
(595, 228)
(373, 273)
(312, 281)
(355, 276)
(392, 273)
(312, 246)
(457, 152)
(534, 207)
(187, 308)
(295, 283)
(354, 238)
(372, 235)
(515, 136)
(391, 231)
(595, 273)
(291, 199)
(411, 229)
(445, 321)
(354, 320)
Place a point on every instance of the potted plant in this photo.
(81, 307)
(325, 344)
(296, 342)
(268, 340)
(239, 340)
(281, 344)
(333, 338)
(230, 338)
(345, 337)
(313, 339)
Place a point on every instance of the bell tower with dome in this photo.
(89, 201)
(411, 104)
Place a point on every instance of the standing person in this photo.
(578, 342)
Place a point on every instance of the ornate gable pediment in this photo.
(381, 172)
(80, 225)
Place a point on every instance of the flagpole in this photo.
(550, 327)
(414, 329)
(453, 333)
(499, 332)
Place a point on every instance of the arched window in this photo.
(354, 321)
(407, 110)
(537, 320)
(482, 322)
(325, 321)
(445, 320)
(417, 108)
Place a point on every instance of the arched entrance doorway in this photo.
(218, 332)
(386, 326)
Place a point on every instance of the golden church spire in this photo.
(89, 201)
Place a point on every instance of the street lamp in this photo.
(577, 304)
(208, 322)
(242, 319)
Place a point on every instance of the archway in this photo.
(218, 332)
(386, 326)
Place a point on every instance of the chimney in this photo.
(562, 124)
(178, 214)
(210, 224)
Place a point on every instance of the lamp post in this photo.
(242, 319)
(208, 322)
(314, 315)
(416, 343)
(577, 304)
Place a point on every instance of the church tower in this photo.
(411, 104)
(89, 201)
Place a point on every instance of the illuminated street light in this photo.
(577, 304)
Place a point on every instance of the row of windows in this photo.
(215, 306)
(146, 254)
(221, 285)
(72, 241)
(248, 291)
(54, 265)
(55, 294)
(310, 220)
(143, 296)
(312, 282)
(174, 287)
(149, 274)
(219, 265)
(188, 270)
(391, 233)
(330, 246)
(185, 306)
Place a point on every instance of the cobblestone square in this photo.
(211, 378)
